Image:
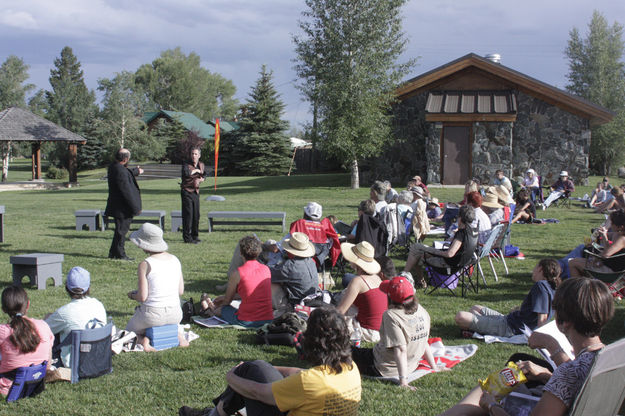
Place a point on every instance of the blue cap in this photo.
(78, 278)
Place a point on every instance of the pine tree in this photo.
(260, 146)
(597, 73)
(347, 62)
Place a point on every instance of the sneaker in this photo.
(190, 411)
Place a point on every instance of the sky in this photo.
(236, 37)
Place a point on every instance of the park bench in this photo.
(259, 218)
(38, 267)
(90, 218)
(1, 223)
(154, 216)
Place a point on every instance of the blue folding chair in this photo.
(27, 381)
(90, 353)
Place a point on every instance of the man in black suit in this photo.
(124, 201)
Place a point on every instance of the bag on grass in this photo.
(188, 310)
(511, 251)
(281, 330)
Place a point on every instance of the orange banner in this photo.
(217, 134)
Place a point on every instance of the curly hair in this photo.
(522, 196)
(326, 340)
(474, 199)
(250, 247)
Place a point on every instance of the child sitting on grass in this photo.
(535, 311)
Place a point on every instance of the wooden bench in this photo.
(154, 216)
(38, 267)
(1, 223)
(261, 218)
(92, 218)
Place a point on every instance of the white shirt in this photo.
(163, 282)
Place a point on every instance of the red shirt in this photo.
(371, 306)
(319, 232)
(255, 291)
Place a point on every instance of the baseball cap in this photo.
(399, 289)
(78, 278)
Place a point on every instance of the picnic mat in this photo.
(450, 356)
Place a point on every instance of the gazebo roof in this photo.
(17, 124)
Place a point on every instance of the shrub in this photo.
(56, 173)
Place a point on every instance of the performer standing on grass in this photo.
(192, 175)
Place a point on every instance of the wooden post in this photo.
(72, 163)
(36, 160)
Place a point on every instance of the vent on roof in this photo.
(494, 57)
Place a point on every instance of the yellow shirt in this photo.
(319, 391)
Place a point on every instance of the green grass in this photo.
(157, 384)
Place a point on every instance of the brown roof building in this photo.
(473, 116)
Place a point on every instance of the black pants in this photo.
(520, 356)
(122, 225)
(363, 358)
(190, 215)
(260, 371)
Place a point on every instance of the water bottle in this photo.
(356, 335)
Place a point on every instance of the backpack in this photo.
(282, 330)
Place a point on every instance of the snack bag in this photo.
(502, 382)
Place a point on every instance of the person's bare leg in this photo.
(464, 319)
(145, 343)
(469, 405)
(411, 261)
(577, 267)
(182, 341)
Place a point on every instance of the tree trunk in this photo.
(6, 153)
(355, 178)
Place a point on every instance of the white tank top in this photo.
(163, 282)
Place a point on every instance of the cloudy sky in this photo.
(235, 37)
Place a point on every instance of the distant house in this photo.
(473, 116)
(226, 126)
(188, 120)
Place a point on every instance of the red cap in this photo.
(398, 288)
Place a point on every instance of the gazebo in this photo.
(20, 125)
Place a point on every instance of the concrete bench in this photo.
(1, 223)
(38, 267)
(92, 218)
(176, 221)
(154, 216)
(260, 218)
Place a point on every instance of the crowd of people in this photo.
(375, 305)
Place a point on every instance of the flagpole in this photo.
(217, 137)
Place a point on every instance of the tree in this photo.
(176, 81)
(13, 74)
(346, 59)
(260, 146)
(597, 73)
(70, 103)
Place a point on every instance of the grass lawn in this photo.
(157, 384)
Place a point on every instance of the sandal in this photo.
(207, 306)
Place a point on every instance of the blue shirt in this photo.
(539, 300)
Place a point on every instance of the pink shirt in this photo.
(255, 291)
(12, 358)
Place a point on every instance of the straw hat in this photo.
(299, 245)
(149, 237)
(491, 200)
(502, 193)
(417, 190)
(361, 255)
(564, 173)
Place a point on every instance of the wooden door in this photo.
(456, 155)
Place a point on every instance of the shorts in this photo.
(491, 322)
(150, 316)
(228, 314)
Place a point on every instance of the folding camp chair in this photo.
(606, 277)
(27, 381)
(499, 246)
(90, 352)
(486, 249)
(449, 278)
(603, 392)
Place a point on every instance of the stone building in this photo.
(473, 116)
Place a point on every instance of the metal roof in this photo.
(471, 102)
(188, 120)
(18, 124)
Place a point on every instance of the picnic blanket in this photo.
(450, 356)
(489, 339)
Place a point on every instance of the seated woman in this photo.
(330, 387)
(613, 244)
(524, 210)
(23, 341)
(362, 292)
(530, 182)
(252, 282)
(482, 222)
(159, 286)
(534, 312)
(403, 336)
(616, 202)
(420, 253)
(582, 307)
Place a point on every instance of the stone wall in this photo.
(549, 140)
(492, 149)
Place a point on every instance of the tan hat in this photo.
(434, 201)
(361, 255)
(299, 245)
(491, 200)
(502, 193)
(149, 237)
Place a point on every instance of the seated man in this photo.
(420, 253)
(320, 232)
(535, 311)
(78, 313)
(377, 193)
(563, 186)
(330, 387)
(391, 194)
(492, 208)
(501, 179)
(297, 277)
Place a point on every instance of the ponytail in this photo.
(25, 336)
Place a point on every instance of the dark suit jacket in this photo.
(124, 199)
